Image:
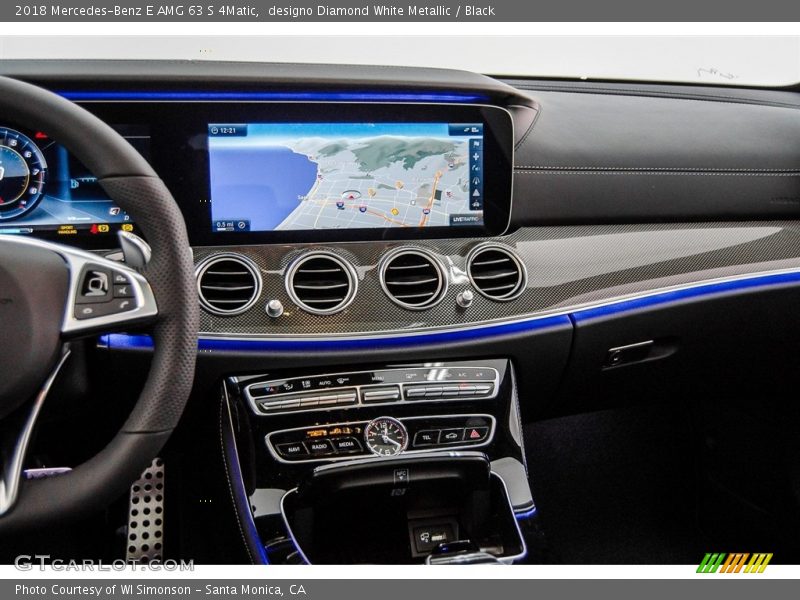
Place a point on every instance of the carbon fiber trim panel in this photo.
(568, 267)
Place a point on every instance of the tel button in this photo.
(428, 437)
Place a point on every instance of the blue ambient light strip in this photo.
(298, 345)
(125, 341)
(254, 96)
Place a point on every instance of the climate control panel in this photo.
(386, 386)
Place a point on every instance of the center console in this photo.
(428, 454)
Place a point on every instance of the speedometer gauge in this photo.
(23, 174)
(386, 436)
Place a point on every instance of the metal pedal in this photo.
(146, 516)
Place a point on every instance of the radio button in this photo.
(320, 448)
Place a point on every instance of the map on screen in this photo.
(296, 176)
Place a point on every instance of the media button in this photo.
(346, 445)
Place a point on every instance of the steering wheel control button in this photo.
(292, 450)
(120, 279)
(124, 290)
(95, 285)
(427, 437)
(451, 436)
(346, 445)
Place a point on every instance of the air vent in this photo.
(496, 272)
(321, 283)
(413, 279)
(228, 284)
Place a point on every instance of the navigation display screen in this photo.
(323, 176)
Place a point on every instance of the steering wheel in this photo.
(51, 294)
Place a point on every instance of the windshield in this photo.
(717, 60)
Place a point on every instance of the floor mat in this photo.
(616, 487)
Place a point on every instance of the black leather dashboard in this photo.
(612, 157)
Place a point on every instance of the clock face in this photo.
(386, 436)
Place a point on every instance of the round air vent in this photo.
(228, 284)
(496, 272)
(413, 278)
(321, 283)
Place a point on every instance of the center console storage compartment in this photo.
(400, 510)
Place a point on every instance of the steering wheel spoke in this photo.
(15, 435)
(50, 294)
(102, 295)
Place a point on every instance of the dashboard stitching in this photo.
(528, 131)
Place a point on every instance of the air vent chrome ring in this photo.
(431, 296)
(496, 286)
(239, 305)
(314, 261)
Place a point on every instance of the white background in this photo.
(727, 58)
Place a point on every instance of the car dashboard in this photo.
(401, 270)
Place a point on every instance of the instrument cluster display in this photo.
(46, 191)
(268, 172)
